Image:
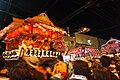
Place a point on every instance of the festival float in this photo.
(80, 53)
(32, 37)
(111, 47)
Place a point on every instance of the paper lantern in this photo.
(37, 30)
(16, 32)
(28, 28)
(49, 32)
(9, 35)
(84, 29)
(13, 35)
(46, 33)
(20, 29)
(54, 35)
(42, 41)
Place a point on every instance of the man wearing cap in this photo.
(35, 68)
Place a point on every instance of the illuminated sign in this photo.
(15, 54)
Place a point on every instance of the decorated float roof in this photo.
(110, 41)
(41, 21)
(39, 28)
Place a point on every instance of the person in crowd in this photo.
(48, 71)
(45, 45)
(112, 66)
(21, 73)
(60, 69)
(103, 72)
(82, 71)
(35, 67)
(96, 63)
(2, 71)
(52, 47)
(70, 67)
(118, 71)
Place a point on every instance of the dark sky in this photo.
(101, 16)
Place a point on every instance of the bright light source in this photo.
(88, 41)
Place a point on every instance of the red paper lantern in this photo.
(84, 29)
(21, 30)
(60, 37)
(9, 35)
(28, 28)
(16, 32)
(46, 33)
(37, 30)
(13, 34)
(55, 35)
(49, 32)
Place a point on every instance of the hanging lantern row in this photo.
(91, 50)
(54, 28)
(44, 27)
(8, 28)
(37, 28)
(29, 52)
(80, 50)
(3, 31)
(27, 27)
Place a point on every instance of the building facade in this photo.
(85, 41)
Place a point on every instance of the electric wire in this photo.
(10, 13)
(52, 5)
(76, 12)
(45, 5)
(106, 15)
(105, 29)
(8, 8)
(95, 12)
(19, 7)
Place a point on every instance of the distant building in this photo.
(84, 41)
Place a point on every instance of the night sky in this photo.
(101, 16)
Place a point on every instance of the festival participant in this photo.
(60, 69)
(52, 47)
(46, 45)
(35, 68)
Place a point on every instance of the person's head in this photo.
(32, 61)
(51, 44)
(113, 60)
(2, 63)
(105, 61)
(20, 73)
(60, 58)
(81, 68)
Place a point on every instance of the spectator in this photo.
(70, 67)
(118, 71)
(20, 73)
(2, 64)
(103, 73)
(81, 68)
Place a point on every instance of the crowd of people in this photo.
(32, 68)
